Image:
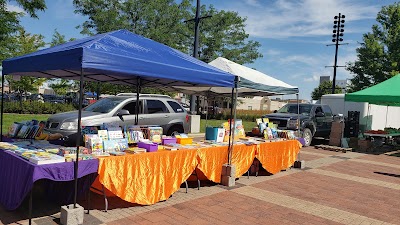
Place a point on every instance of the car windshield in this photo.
(104, 105)
(304, 109)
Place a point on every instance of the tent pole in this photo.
(230, 127)
(298, 114)
(78, 140)
(344, 113)
(137, 101)
(298, 121)
(2, 106)
(366, 125)
(387, 111)
(208, 94)
(98, 91)
(232, 130)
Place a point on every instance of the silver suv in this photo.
(154, 110)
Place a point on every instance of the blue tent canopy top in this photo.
(119, 57)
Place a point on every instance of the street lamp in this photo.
(338, 29)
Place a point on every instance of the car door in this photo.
(155, 113)
(129, 119)
(328, 119)
(319, 121)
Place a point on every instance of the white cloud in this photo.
(303, 59)
(273, 52)
(286, 18)
(14, 8)
(252, 2)
(313, 78)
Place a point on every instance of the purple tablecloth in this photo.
(18, 175)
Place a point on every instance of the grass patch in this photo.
(248, 125)
(10, 118)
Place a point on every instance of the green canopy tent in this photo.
(386, 93)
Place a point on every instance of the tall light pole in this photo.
(337, 38)
(196, 20)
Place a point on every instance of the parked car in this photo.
(153, 110)
(185, 106)
(315, 120)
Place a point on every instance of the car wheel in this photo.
(174, 130)
(307, 135)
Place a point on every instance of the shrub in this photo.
(245, 115)
(28, 107)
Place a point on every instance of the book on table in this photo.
(46, 159)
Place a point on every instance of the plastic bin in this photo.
(150, 147)
(168, 140)
(185, 141)
(211, 133)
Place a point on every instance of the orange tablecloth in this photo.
(277, 156)
(210, 160)
(149, 177)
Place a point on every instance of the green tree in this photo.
(323, 89)
(61, 86)
(9, 21)
(58, 39)
(222, 34)
(378, 57)
(25, 43)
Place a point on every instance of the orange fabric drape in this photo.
(210, 160)
(277, 156)
(149, 177)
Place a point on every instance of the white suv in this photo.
(153, 110)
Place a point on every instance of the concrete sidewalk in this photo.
(334, 188)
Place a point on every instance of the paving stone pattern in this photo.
(336, 188)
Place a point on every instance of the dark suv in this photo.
(315, 120)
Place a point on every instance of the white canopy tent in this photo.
(251, 82)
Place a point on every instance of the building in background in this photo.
(322, 79)
(343, 84)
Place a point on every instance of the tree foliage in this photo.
(9, 21)
(24, 43)
(168, 22)
(61, 86)
(323, 89)
(378, 57)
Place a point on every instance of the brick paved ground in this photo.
(335, 188)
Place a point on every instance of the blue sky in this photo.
(293, 33)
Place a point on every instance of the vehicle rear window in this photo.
(131, 107)
(104, 105)
(176, 107)
(327, 110)
(156, 106)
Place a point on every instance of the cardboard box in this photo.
(364, 145)
(335, 135)
(353, 142)
(335, 142)
(337, 126)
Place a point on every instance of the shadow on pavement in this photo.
(388, 174)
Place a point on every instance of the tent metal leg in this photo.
(137, 101)
(2, 106)
(78, 141)
(88, 205)
(30, 207)
(230, 128)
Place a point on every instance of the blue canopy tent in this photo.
(118, 57)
